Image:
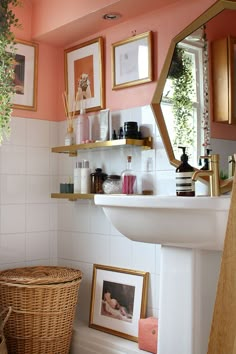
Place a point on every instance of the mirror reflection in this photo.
(196, 90)
(184, 98)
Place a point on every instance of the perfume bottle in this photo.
(129, 179)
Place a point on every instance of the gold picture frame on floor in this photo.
(84, 74)
(132, 61)
(26, 75)
(118, 300)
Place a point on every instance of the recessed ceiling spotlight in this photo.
(111, 16)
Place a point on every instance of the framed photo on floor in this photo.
(84, 74)
(118, 300)
(132, 61)
(25, 75)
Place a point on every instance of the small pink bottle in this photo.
(129, 179)
(82, 129)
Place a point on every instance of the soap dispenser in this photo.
(185, 187)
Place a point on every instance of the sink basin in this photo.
(192, 222)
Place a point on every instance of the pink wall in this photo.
(46, 19)
(165, 23)
(50, 64)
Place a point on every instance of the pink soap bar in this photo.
(148, 334)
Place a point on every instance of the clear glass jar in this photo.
(112, 185)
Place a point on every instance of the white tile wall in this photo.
(28, 216)
(13, 218)
(85, 236)
(13, 159)
(36, 229)
(13, 189)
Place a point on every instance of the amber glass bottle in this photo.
(97, 178)
(185, 187)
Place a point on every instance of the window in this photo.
(183, 100)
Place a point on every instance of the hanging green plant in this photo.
(8, 20)
(177, 65)
(182, 102)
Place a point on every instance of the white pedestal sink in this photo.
(191, 231)
(194, 222)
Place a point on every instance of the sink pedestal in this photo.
(188, 284)
(190, 263)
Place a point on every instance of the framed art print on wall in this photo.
(84, 74)
(132, 61)
(25, 75)
(118, 301)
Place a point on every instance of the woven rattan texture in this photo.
(42, 315)
(40, 275)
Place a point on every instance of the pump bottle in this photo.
(185, 187)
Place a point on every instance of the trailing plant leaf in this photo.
(8, 20)
(177, 65)
(182, 103)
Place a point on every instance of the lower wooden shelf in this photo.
(72, 196)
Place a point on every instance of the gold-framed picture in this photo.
(118, 300)
(84, 74)
(25, 75)
(132, 61)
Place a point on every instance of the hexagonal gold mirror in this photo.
(195, 37)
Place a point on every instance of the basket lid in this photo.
(40, 275)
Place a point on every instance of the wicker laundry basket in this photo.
(43, 302)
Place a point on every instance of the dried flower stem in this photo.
(70, 113)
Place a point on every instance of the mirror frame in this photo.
(215, 9)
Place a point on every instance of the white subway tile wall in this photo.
(36, 229)
(28, 216)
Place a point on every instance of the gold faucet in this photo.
(217, 186)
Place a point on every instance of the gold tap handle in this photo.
(215, 177)
(213, 157)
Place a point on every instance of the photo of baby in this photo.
(117, 301)
(84, 89)
(84, 77)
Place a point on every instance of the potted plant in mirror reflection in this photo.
(8, 21)
(181, 76)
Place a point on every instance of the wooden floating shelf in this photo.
(146, 143)
(72, 196)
